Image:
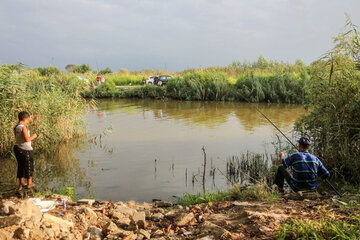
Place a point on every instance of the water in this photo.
(142, 149)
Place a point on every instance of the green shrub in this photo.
(149, 91)
(105, 71)
(200, 85)
(125, 79)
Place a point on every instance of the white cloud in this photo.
(179, 33)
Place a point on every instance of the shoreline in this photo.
(231, 219)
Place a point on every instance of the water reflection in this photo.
(209, 114)
(59, 167)
(154, 147)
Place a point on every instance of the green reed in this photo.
(61, 106)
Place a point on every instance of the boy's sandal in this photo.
(32, 185)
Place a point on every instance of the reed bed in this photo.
(60, 112)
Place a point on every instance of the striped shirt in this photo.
(305, 168)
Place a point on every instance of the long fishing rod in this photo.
(258, 110)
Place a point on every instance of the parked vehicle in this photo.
(162, 80)
(150, 80)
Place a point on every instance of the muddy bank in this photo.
(89, 219)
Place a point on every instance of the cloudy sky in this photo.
(168, 34)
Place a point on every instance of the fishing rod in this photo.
(272, 123)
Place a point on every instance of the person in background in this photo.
(144, 81)
(102, 80)
(305, 169)
(23, 150)
(98, 79)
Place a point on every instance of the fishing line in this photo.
(258, 110)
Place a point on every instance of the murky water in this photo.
(145, 149)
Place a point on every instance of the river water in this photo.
(145, 149)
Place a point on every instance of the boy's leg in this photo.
(29, 168)
(21, 166)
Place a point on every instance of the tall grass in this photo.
(329, 228)
(217, 86)
(61, 108)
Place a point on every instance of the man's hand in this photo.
(33, 136)
(281, 155)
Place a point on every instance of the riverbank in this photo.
(233, 219)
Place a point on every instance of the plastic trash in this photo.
(44, 206)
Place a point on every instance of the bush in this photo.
(125, 79)
(284, 88)
(201, 85)
(43, 71)
(104, 90)
(145, 92)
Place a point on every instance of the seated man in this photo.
(305, 168)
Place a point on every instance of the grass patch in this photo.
(330, 228)
(64, 191)
(259, 192)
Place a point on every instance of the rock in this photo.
(180, 207)
(86, 201)
(117, 215)
(139, 219)
(89, 213)
(95, 231)
(123, 222)
(264, 229)
(5, 235)
(184, 219)
(157, 217)
(125, 210)
(158, 210)
(50, 219)
(4, 208)
(22, 233)
(27, 210)
(10, 220)
(157, 233)
(162, 204)
(110, 228)
(353, 202)
(170, 215)
(145, 233)
(206, 238)
(215, 230)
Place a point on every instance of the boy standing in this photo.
(23, 150)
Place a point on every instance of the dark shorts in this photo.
(25, 160)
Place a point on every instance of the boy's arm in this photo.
(26, 135)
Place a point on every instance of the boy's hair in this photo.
(22, 115)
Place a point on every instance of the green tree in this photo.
(105, 71)
(70, 67)
(84, 68)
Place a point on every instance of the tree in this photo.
(70, 67)
(84, 68)
(262, 62)
(105, 71)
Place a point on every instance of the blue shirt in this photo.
(305, 168)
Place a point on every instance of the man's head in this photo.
(24, 116)
(304, 143)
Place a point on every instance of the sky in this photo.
(168, 34)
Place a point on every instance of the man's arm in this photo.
(284, 160)
(322, 171)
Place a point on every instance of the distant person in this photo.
(144, 81)
(102, 80)
(305, 169)
(23, 150)
(98, 79)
